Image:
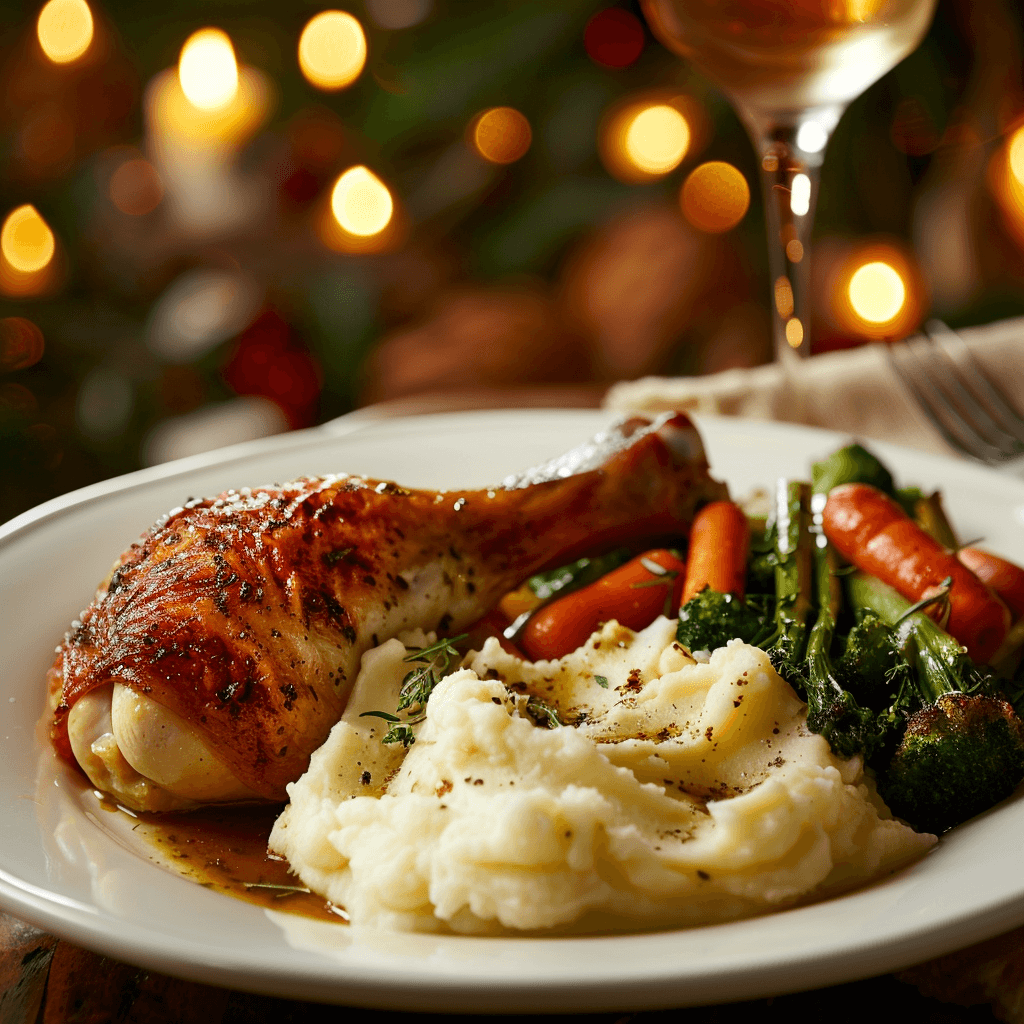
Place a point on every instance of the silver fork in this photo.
(964, 404)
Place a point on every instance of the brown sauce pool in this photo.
(225, 849)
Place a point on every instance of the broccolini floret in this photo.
(870, 666)
(710, 620)
(959, 756)
(963, 748)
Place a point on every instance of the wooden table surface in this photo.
(49, 981)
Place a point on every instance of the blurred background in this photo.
(223, 219)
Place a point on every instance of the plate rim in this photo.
(80, 923)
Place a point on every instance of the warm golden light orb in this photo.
(207, 69)
(361, 202)
(794, 332)
(657, 139)
(646, 135)
(1016, 155)
(875, 288)
(501, 135)
(715, 197)
(332, 50)
(65, 30)
(877, 292)
(26, 240)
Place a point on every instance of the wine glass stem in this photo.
(790, 157)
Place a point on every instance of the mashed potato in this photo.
(686, 791)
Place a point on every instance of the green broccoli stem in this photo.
(794, 578)
(940, 663)
(819, 643)
(929, 514)
(832, 711)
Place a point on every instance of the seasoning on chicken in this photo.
(224, 645)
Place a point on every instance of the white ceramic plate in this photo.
(67, 867)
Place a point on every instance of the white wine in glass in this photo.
(790, 68)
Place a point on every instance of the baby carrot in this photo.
(719, 546)
(876, 535)
(634, 594)
(1005, 578)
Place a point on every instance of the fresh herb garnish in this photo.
(279, 890)
(662, 578)
(542, 714)
(601, 681)
(433, 661)
(335, 556)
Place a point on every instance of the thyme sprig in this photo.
(433, 663)
(542, 714)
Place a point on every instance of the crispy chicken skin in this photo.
(247, 614)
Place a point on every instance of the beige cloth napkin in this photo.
(854, 391)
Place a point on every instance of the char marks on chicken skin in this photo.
(247, 615)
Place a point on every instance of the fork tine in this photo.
(975, 377)
(956, 432)
(956, 386)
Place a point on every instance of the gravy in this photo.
(225, 849)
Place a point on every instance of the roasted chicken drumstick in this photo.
(223, 647)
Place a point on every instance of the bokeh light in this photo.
(784, 297)
(657, 139)
(21, 343)
(800, 197)
(135, 188)
(877, 292)
(811, 137)
(26, 240)
(794, 332)
(65, 30)
(1006, 182)
(397, 14)
(361, 203)
(207, 69)
(1015, 154)
(715, 197)
(501, 135)
(647, 136)
(614, 38)
(332, 50)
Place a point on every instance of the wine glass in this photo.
(790, 68)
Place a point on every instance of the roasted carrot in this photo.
(876, 535)
(634, 594)
(518, 601)
(719, 546)
(1005, 578)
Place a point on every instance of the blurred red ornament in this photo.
(302, 186)
(269, 360)
(21, 343)
(614, 38)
